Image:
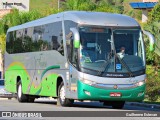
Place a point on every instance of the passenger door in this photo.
(73, 60)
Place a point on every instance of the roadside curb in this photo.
(3, 98)
(143, 105)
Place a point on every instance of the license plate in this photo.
(115, 94)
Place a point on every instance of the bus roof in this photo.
(84, 18)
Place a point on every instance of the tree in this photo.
(16, 18)
(2, 43)
(153, 25)
(154, 14)
(128, 10)
(153, 59)
(94, 5)
(87, 5)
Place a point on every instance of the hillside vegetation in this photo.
(118, 6)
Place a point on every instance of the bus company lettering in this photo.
(116, 75)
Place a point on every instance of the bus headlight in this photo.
(88, 82)
(140, 83)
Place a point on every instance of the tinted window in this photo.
(39, 38)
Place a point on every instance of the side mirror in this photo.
(151, 39)
(76, 39)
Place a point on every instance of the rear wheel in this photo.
(62, 100)
(20, 96)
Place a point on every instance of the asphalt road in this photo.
(50, 105)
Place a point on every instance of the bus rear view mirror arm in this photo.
(76, 37)
(151, 39)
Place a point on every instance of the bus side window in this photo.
(71, 52)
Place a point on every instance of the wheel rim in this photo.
(62, 94)
(19, 91)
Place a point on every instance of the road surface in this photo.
(50, 105)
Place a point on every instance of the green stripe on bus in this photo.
(49, 68)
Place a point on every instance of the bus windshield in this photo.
(103, 50)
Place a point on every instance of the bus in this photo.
(77, 55)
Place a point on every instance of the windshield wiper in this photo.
(125, 65)
(105, 65)
(100, 72)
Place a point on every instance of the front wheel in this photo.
(62, 100)
(20, 96)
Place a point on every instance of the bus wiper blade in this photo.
(126, 66)
(105, 66)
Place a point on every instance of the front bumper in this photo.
(133, 94)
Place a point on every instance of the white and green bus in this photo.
(77, 55)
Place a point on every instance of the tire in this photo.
(20, 96)
(118, 104)
(61, 97)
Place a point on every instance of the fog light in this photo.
(87, 93)
(140, 94)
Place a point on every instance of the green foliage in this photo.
(86, 5)
(16, 18)
(114, 6)
(42, 5)
(153, 82)
(93, 5)
(50, 11)
(106, 8)
(154, 14)
(2, 43)
(109, 6)
(153, 26)
(128, 10)
(137, 14)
